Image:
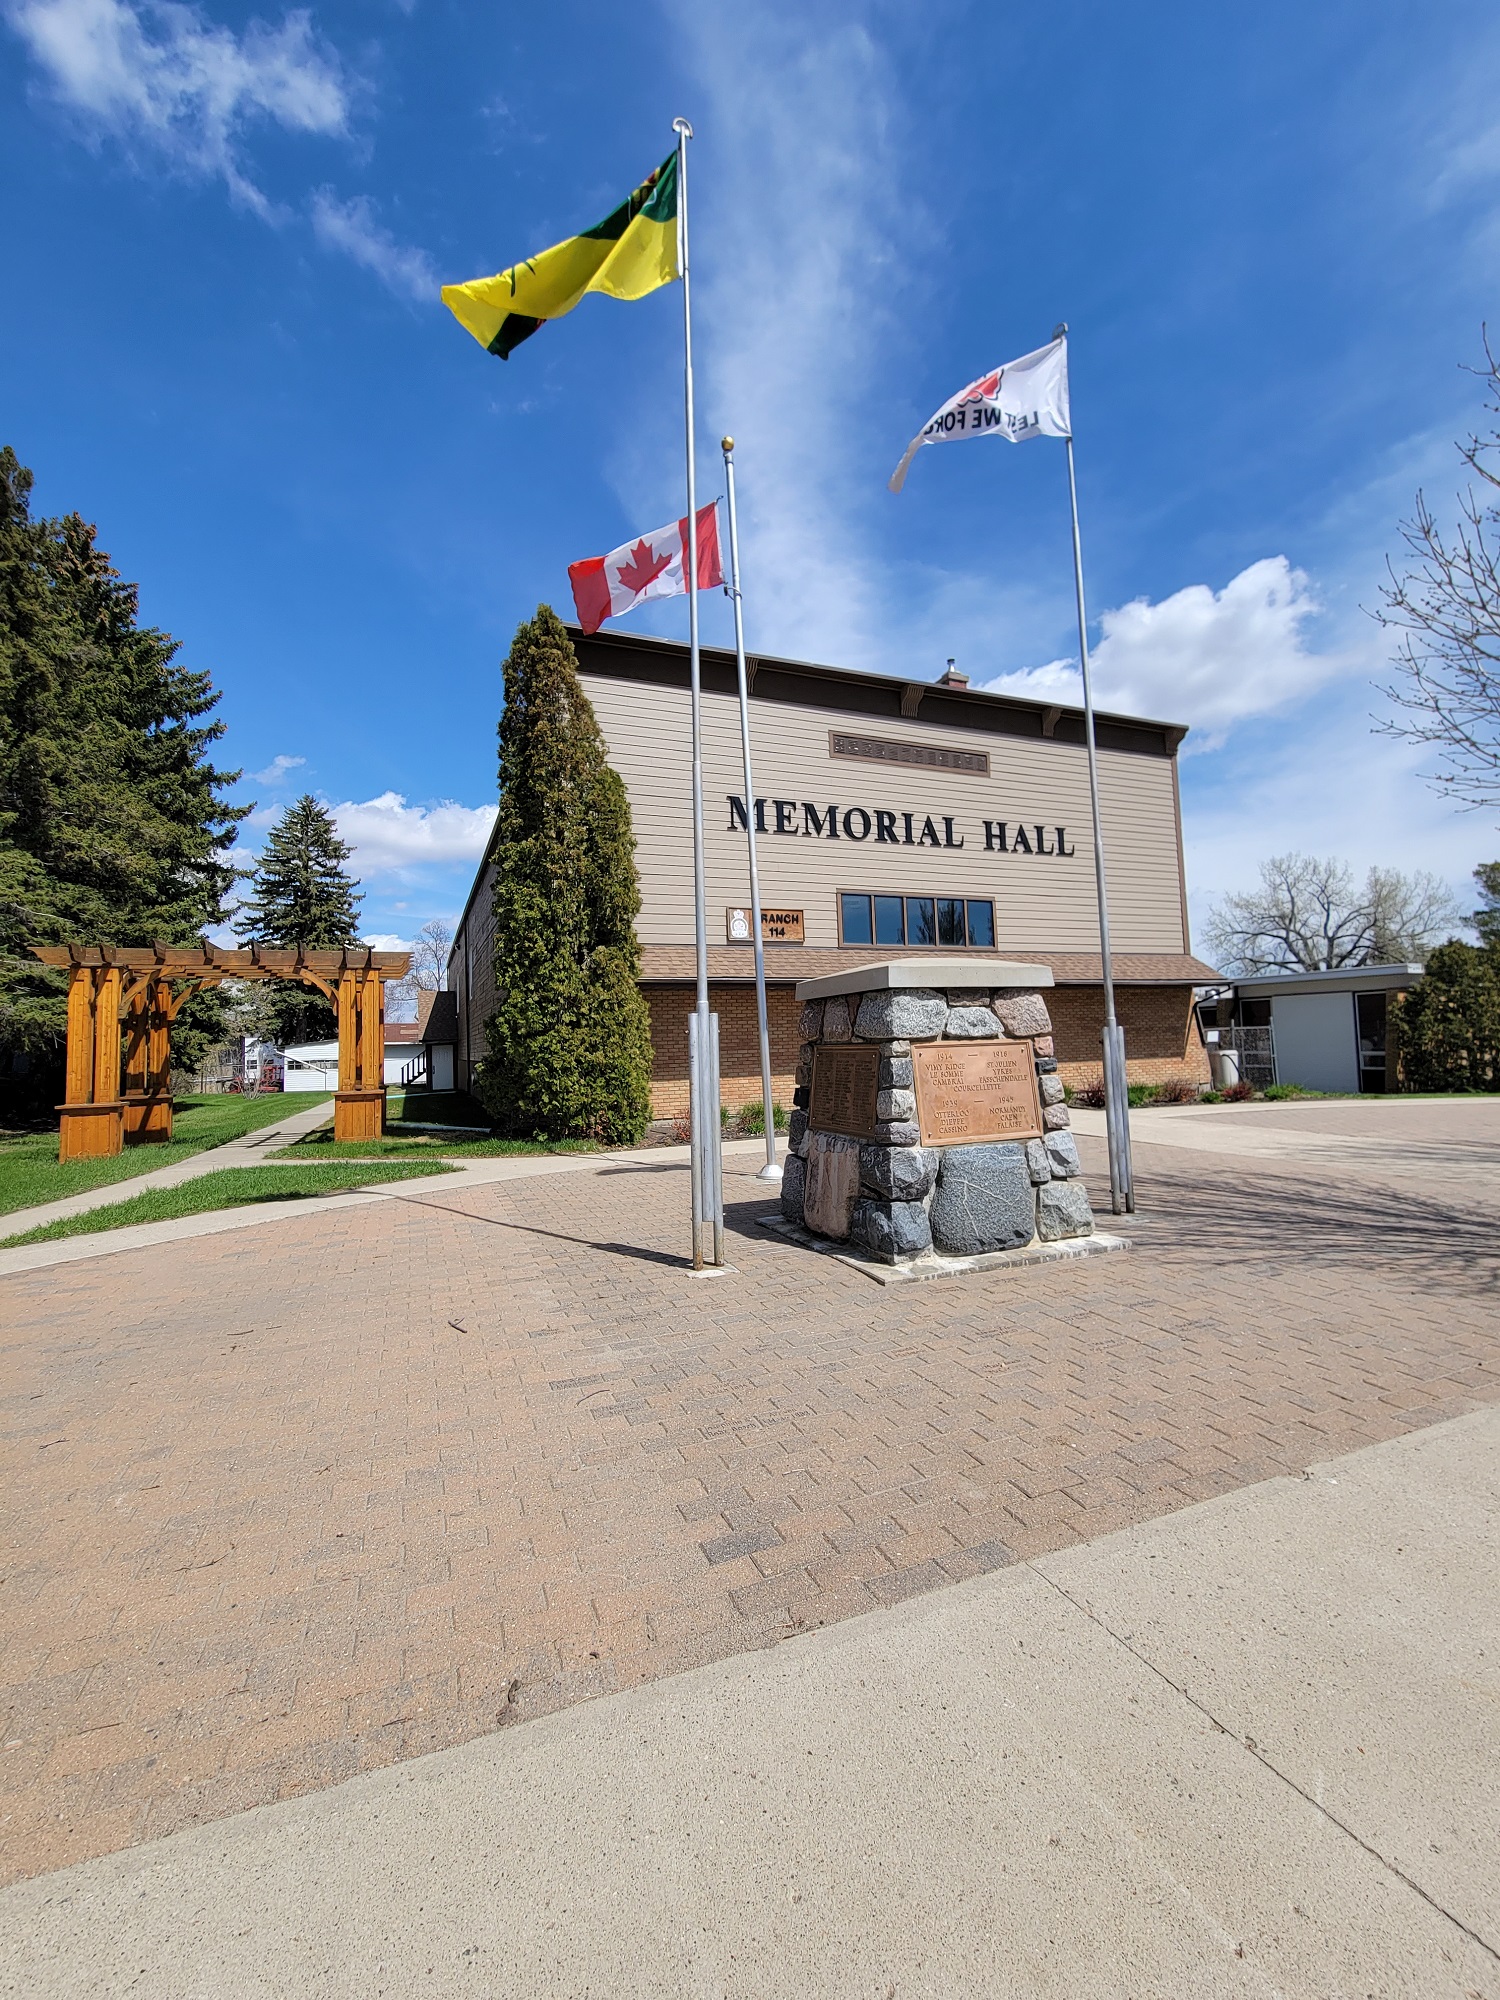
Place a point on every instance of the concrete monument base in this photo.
(930, 1265)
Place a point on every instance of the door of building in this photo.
(1370, 1014)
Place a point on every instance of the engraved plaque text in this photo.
(973, 1093)
(776, 926)
(844, 1082)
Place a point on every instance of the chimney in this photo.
(952, 678)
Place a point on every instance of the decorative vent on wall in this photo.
(889, 750)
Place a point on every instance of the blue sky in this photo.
(1273, 231)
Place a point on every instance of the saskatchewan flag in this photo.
(628, 254)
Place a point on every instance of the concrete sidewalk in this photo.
(742, 1159)
(1246, 1749)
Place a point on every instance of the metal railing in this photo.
(1256, 1050)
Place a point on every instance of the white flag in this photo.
(1024, 399)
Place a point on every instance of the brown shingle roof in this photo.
(437, 1017)
(671, 964)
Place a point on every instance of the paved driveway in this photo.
(317, 1495)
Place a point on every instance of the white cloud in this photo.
(351, 227)
(387, 941)
(1209, 658)
(160, 72)
(389, 836)
(276, 770)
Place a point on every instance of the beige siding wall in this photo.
(471, 974)
(1043, 903)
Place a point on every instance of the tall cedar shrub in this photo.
(1448, 1025)
(1486, 920)
(302, 895)
(570, 1040)
(113, 824)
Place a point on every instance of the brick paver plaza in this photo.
(299, 1500)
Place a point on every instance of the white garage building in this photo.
(1324, 1030)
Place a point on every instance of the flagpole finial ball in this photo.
(681, 125)
(727, 443)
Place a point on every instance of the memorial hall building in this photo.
(895, 818)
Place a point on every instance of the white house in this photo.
(418, 1054)
(315, 1065)
(1324, 1030)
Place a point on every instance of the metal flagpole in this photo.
(770, 1171)
(708, 1200)
(1116, 1092)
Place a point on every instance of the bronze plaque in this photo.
(973, 1093)
(845, 1080)
(776, 926)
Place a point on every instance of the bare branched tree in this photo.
(429, 966)
(1311, 916)
(429, 954)
(1446, 604)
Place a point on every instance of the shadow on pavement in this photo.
(1412, 1238)
(636, 1250)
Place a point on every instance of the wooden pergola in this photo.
(141, 989)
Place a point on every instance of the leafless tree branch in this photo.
(1445, 602)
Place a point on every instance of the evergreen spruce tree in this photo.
(1487, 920)
(113, 825)
(302, 895)
(570, 1041)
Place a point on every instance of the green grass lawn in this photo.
(232, 1187)
(30, 1173)
(400, 1144)
(437, 1107)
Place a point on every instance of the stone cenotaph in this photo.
(929, 1127)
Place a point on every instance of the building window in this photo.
(917, 922)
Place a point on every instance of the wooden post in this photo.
(91, 1123)
(80, 1085)
(359, 1104)
(148, 1066)
(372, 1033)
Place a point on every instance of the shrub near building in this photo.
(569, 1042)
(1448, 1026)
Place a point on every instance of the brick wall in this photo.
(1161, 1039)
(1161, 1033)
(739, 1045)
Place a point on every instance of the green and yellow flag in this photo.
(628, 254)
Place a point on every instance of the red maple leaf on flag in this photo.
(644, 567)
(982, 390)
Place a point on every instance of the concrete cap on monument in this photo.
(894, 975)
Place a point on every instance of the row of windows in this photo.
(917, 920)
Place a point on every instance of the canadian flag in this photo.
(653, 565)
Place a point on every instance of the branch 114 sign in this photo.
(776, 926)
(895, 828)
